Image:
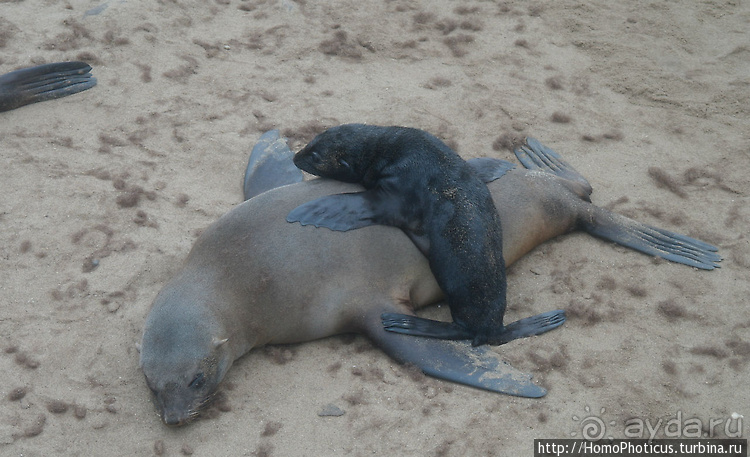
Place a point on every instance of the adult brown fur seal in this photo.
(253, 279)
(43, 82)
(417, 183)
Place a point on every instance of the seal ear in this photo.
(219, 342)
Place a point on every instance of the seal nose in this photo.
(173, 406)
(173, 419)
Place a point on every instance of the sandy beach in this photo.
(104, 193)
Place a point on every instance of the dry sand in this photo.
(648, 99)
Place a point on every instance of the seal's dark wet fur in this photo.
(416, 182)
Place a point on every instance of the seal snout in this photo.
(174, 419)
(307, 160)
(177, 406)
(176, 415)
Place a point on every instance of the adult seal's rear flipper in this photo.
(44, 82)
(614, 227)
(651, 240)
(270, 166)
(457, 361)
(536, 156)
(418, 326)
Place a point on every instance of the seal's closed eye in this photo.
(198, 381)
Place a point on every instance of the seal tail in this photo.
(44, 82)
(650, 240)
(269, 166)
(455, 361)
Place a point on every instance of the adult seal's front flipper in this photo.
(270, 166)
(456, 361)
(418, 326)
(44, 82)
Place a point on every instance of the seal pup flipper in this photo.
(456, 361)
(530, 326)
(339, 212)
(350, 211)
(270, 165)
(418, 326)
(533, 155)
(43, 82)
(651, 240)
(489, 169)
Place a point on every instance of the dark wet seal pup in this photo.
(252, 279)
(416, 182)
(44, 82)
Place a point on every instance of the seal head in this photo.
(334, 153)
(183, 357)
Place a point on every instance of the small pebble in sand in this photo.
(57, 407)
(36, 428)
(17, 394)
(79, 412)
(331, 410)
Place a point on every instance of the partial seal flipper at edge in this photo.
(44, 82)
(418, 326)
(270, 166)
(455, 361)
